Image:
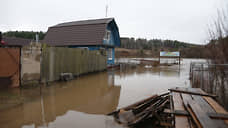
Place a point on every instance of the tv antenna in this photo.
(106, 9)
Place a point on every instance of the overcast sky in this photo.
(184, 20)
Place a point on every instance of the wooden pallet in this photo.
(192, 107)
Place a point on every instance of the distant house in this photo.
(14, 42)
(92, 34)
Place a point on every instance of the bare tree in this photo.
(218, 32)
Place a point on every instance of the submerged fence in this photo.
(212, 78)
(57, 60)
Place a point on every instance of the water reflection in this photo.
(164, 71)
(93, 94)
(84, 101)
(141, 81)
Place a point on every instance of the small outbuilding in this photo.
(92, 34)
(10, 57)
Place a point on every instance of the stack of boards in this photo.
(179, 108)
(192, 107)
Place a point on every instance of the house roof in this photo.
(85, 22)
(15, 41)
(87, 32)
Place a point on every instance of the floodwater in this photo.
(83, 102)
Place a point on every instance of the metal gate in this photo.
(9, 67)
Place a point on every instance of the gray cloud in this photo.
(184, 20)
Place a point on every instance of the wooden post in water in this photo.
(179, 58)
(201, 83)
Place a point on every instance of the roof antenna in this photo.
(106, 10)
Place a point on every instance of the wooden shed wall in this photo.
(10, 67)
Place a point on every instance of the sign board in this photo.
(170, 54)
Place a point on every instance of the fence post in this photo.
(202, 70)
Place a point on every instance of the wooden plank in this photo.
(203, 104)
(147, 103)
(178, 103)
(176, 112)
(207, 108)
(192, 93)
(218, 108)
(172, 108)
(186, 99)
(180, 121)
(165, 124)
(202, 116)
(192, 124)
(135, 104)
(218, 116)
(185, 113)
(200, 100)
(139, 102)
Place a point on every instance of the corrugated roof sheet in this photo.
(88, 32)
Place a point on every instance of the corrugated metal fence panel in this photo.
(57, 60)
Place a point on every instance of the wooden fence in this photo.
(212, 78)
(57, 60)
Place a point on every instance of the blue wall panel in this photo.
(112, 60)
(114, 41)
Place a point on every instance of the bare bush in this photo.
(217, 51)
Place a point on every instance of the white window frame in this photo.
(107, 35)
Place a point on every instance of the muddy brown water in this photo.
(83, 102)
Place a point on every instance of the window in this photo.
(107, 35)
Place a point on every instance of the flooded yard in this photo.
(83, 102)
